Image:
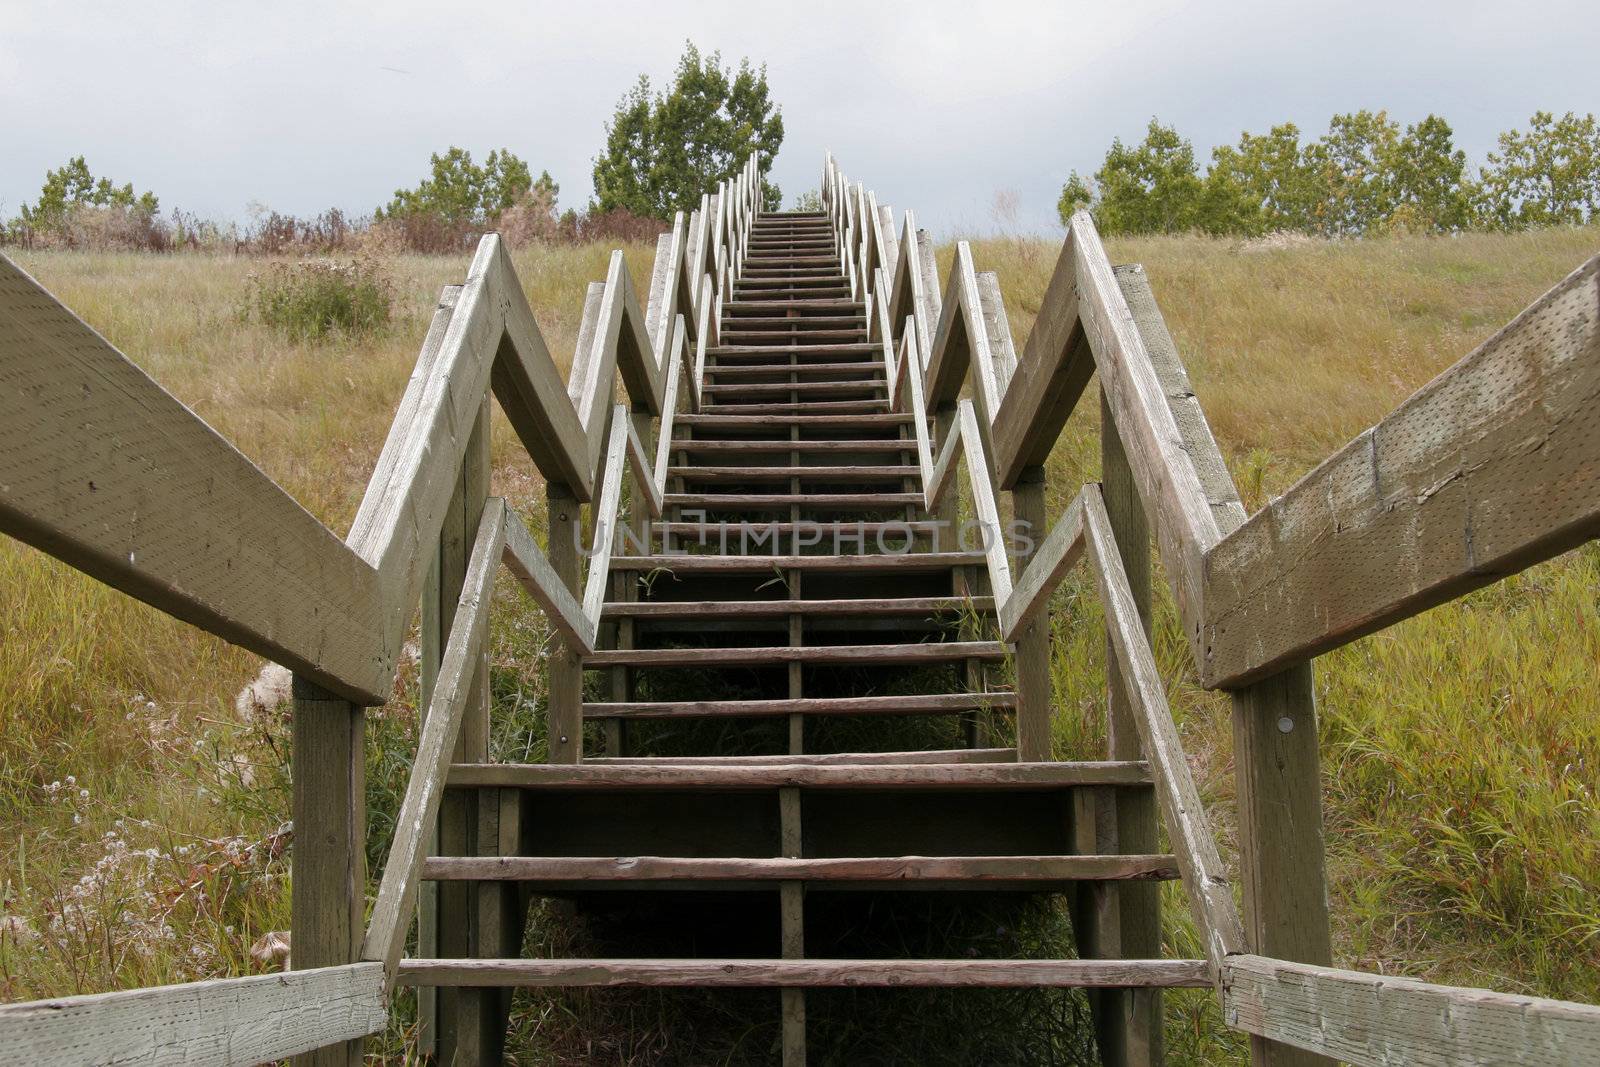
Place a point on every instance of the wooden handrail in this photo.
(1491, 467)
(419, 809)
(105, 470)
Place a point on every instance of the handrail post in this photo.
(1128, 1022)
(565, 713)
(1033, 643)
(465, 1023)
(328, 894)
(1281, 861)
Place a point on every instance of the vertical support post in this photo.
(791, 907)
(328, 898)
(565, 715)
(1033, 643)
(1281, 860)
(467, 1025)
(1129, 1022)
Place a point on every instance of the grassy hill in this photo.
(141, 806)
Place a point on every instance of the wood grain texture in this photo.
(808, 973)
(1179, 513)
(533, 569)
(777, 869)
(1205, 878)
(328, 887)
(758, 656)
(1049, 378)
(619, 342)
(224, 1021)
(980, 478)
(103, 469)
(1384, 1021)
(1489, 468)
(921, 704)
(419, 810)
(933, 755)
(1050, 562)
(997, 776)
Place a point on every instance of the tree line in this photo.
(662, 150)
(1366, 175)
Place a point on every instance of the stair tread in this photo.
(981, 869)
(821, 562)
(765, 655)
(886, 606)
(885, 471)
(911, 776)
(944, 755)
(920, 704)
(793, 973)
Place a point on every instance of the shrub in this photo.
(311, 298)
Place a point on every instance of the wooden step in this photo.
(777, 655)
(799, 407)
(762, 370)
(683, 444)
(978, 871)
(919, 704)
(757, 564)
(734, 306)
(882, 473)
(890, 606)
(771, 501)
(770, 388)
(814, 973)
(789, 281)
(851, 759)
(827, 318)
(730, 422)
(952, 777)
(790, 336)
(821, 351)
(831, 258)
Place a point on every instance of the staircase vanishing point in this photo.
(817, 440)
(797, 577)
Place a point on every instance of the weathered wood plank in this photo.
(912, 652)
(419, 810)
(103, 469)
(920, 776)
(922, 755)
(1050, 563)
(524, 559)
(1384, 1021)
(981, 478)
(605, 516)
(1205, 878)
(619, 343)
(962, 344)
(808, 973)
(929, 606)
(224, 1021)
(754, 564)
(1047, 381)
(784, 868)
(327, 891)
(1489, 468)
(922, 704)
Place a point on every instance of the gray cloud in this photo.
(937, 105)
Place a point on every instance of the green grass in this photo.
(1459, 748)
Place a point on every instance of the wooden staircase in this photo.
(796, 586)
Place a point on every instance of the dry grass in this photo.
(1460, 748)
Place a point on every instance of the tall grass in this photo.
(1460, 748)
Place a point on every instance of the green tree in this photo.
(1353, 164)
(1262, 185)
(1153, 187)
(1076, 194)
(1431, 190)
(73, 185)
(1549, 176)
(664, 150)
(459, 192)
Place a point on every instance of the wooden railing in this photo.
(103, 469)
(1493, 466)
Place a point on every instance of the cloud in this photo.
(935, 104)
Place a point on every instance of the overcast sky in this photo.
(936, 105)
